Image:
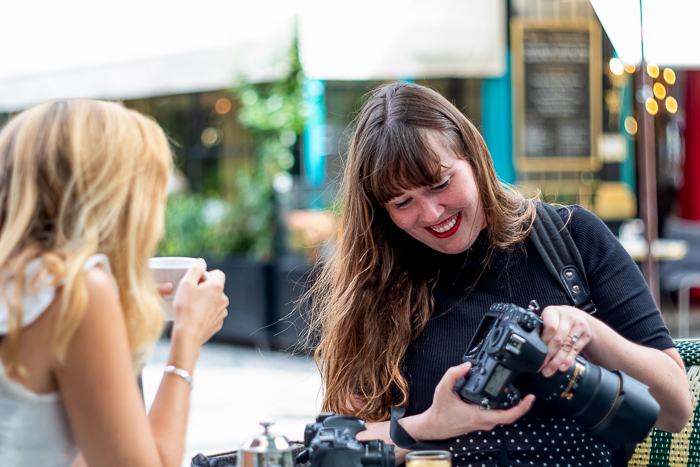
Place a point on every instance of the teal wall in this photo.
(497, 120)
(314, 93)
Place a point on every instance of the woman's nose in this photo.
(431, 210)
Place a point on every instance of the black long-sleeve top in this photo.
(544, 437)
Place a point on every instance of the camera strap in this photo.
(560, 256)
(402, 439)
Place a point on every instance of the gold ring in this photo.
(573, 338)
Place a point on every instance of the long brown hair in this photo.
(80, 177)
(367, 302)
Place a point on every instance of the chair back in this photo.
(682, 449)
(671, 273)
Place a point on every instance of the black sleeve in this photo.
(617, 286)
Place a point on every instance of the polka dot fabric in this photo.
(531, 443)
(464, 291)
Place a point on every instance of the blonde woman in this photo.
(82, 191)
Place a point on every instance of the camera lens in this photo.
(611, 405)
(377, 454)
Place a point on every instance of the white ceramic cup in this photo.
(171, 269)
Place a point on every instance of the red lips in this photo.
(447, 233)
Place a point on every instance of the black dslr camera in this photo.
(506, 353)
(330, 442)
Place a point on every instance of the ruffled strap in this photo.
(36, 302)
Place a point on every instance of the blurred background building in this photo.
(258, 99)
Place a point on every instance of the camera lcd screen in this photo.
(499, 376)
(480, 337)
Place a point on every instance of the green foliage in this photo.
(244, 224)
(197, 226)
(274, 114)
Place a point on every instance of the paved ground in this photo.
(236, 388)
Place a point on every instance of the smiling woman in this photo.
(449, 210)
(430, 239)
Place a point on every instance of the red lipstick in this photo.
(447, 233)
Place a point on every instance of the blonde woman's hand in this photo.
(450, 416)
(565, 332)
(164, 289)
(200, 303)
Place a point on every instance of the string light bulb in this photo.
(671, 104)
(659, 91)
(653, 70)
(651, 106)
(222, 106)
(630, 68)
(631, 125)
(616, 67)
(669, 76)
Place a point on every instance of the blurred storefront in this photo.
(557, 105)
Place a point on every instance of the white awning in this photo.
(394, 39)
(670, 30)
(139, 48)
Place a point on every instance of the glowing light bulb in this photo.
(669, 76)
(631, 125)
(616, 67)
(222, 106)
(671, 104)
(659, 91)
(653, 70)
(630, 68)
(651, 106)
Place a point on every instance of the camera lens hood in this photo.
(632, 416)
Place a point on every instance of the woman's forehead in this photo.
(406, 163)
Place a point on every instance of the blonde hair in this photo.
(370, 299)
(80, 177)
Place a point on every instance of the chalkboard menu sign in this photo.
(556, 94)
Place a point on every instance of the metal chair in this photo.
(676, 449)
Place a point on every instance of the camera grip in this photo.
(459, 385)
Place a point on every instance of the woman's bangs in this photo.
(400, 167)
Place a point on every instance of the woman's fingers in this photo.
(508, 416)
(566, 333)
(450, 416)
(200, 303)
(165, 289)
(195, 273)
(453, 375)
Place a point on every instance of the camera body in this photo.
(506, 346)
(506, 354)
(330, 442)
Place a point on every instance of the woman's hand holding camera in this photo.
(565, 332)
(450, 416)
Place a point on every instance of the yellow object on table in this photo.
(429, 459)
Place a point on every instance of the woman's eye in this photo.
(402, 204)
(442, 186)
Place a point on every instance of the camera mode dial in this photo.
(529, 321)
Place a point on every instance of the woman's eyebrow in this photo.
(396, 198)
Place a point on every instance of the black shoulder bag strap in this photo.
(560, 256)
(563, 261)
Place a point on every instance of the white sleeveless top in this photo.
(34, 428)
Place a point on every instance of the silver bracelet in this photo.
(184, 374)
